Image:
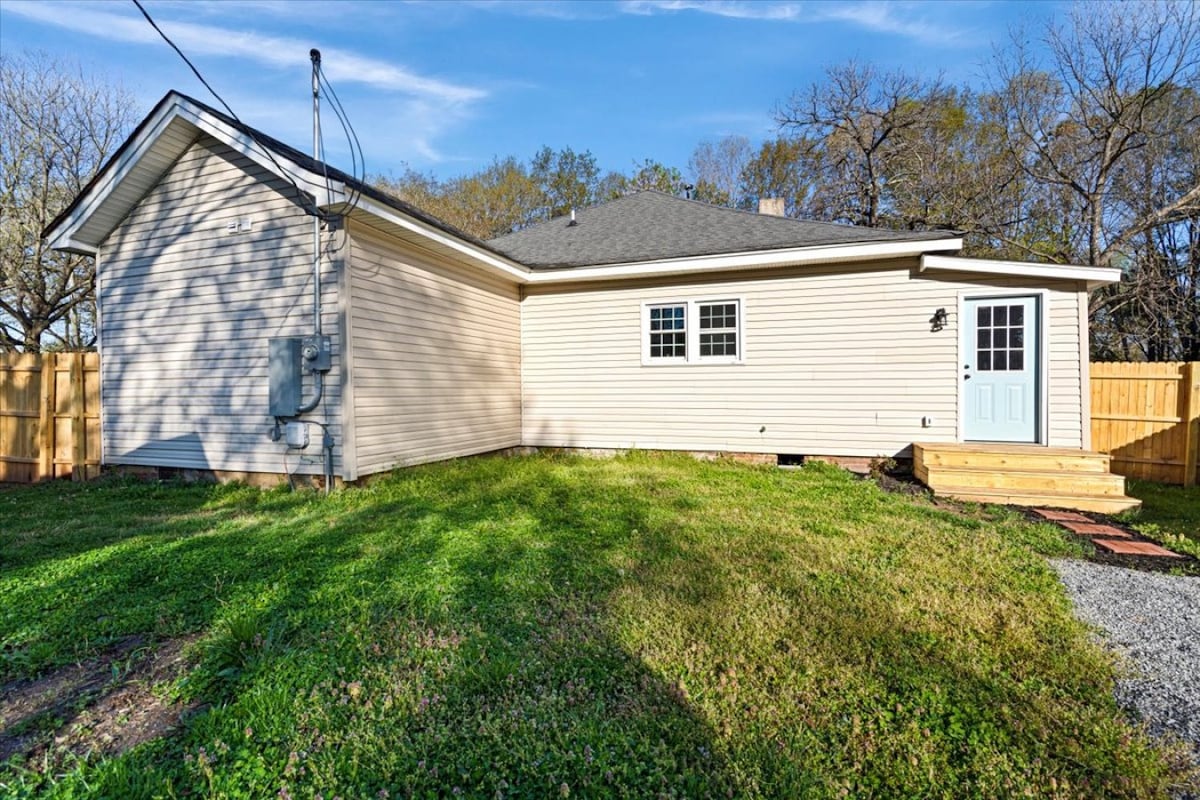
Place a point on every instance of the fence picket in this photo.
(1147, 416)
(49, 416)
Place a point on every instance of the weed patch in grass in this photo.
(558, 626)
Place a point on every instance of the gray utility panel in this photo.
(284, 372)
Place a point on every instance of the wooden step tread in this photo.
(1000, 448)
(1105, 504)
(1100, 484)
(1035, 462)
(950, 469)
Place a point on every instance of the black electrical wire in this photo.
(300, 194)
(358, 164)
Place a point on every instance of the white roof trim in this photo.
(1095, 276)
(64, 235)
(495, 263)
(793, 256)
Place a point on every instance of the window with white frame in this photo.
(692, 332)
(668, 331)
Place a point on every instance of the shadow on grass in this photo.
(533, 627)
(467, 608)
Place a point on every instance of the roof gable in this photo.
(174, 124)
(651, 226)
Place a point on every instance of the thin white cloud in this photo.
(538, 9)
(875, 15)
(342, 66)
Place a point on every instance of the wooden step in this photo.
(1022, 475)
(1080, 483)
(1102, 505)
(1010, 457)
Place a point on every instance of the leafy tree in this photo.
(57, 128)
(499, 199)
(651, 174)
(779, 169)
(567, 179)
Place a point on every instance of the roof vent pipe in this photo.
(772, 206)
(572, 222)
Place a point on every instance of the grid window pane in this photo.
(716, 337)
(668, 331)
(718, 344)
(667, 318)
(1000, 343)
(719, 323)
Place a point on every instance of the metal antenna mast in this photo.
(315, 55)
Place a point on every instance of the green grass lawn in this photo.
(553, 627)
(1169, 514)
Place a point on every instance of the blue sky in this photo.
(446, 86)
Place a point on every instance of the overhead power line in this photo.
(308, 204)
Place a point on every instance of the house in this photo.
(646, 322)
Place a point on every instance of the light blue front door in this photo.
(1000, 370)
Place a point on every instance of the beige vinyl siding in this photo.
(436, 356)
(187, 308)
(838, 360)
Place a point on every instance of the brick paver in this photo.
(1131, 548)
(1095, 529)
(1061, 516)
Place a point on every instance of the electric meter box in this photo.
(317, 352)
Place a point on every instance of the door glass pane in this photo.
(1000, 340)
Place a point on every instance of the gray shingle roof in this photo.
(650, 225)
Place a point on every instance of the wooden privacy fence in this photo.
(49, 416)
(1147, 416)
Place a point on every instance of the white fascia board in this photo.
(796, 256)
(63, 237)
(490, 261)
(308, 181)
(1094, 276)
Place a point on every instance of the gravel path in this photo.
(1154, 619)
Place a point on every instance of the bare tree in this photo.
(716, 169)
(57, 127)
(852, 125)
(1074, 124)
